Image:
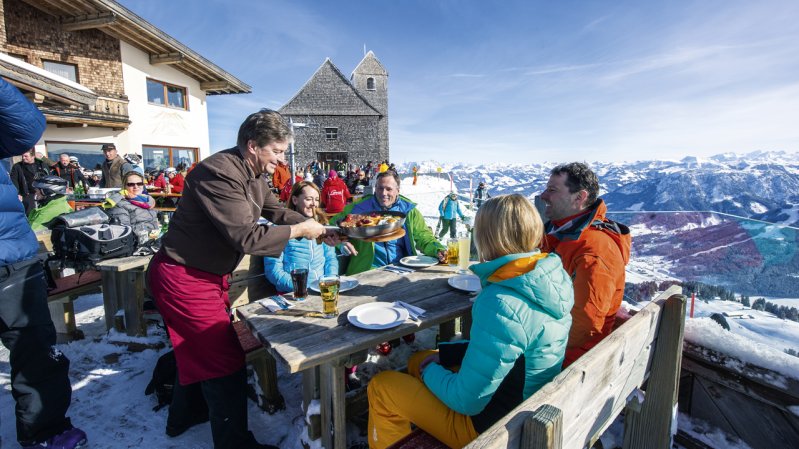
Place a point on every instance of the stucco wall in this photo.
(161, 125)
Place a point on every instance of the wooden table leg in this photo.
(132, 298)
(110, 306)
(333, 406)
(310, 392)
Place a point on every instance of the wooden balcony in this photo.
(107, 112)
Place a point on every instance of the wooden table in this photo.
(305, 344)
(123, 288)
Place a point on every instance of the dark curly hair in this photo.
(579, 177)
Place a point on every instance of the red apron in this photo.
(194, 305)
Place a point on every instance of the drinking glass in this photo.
(299, 277)
(328, 288)
(463, 253)
(452, 252)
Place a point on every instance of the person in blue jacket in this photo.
(448, 209)
(318, 258)
(520, 327)
(39, 371)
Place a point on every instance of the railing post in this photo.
(651, 427)
(543, 429)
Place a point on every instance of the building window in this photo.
(331, 133)
(370, 84)
(90, 155)
(161, 93)
(22, 58)
(161, 157)
(68, 71)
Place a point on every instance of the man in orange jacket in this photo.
(594, 251)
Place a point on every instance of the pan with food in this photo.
(373, 224)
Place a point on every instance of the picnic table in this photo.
(311, 345)
(123, 288)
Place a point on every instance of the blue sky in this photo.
(520, 81)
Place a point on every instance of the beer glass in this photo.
(452, 252)
(328, 288)
(463, 253)
(299, 277)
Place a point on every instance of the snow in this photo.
(108, 382)
(41, 72)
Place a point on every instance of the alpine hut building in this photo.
(348, 119)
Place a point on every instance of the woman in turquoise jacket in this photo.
(319, 259)
(520, 326)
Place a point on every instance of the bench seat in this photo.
(60, 298)
(264, 369)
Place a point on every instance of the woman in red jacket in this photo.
(334, 194)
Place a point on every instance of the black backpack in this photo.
(163, 381)
(83, 238)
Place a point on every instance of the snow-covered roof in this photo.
(41, 72)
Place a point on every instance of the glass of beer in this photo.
(328, 288)
(452, 252)
(299, 277)
(463, 253)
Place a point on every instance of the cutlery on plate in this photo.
(418, 311)
(411, 314)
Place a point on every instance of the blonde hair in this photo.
(507, 224)
(296, 190)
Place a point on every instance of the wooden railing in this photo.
(756, 404)
(112, 106)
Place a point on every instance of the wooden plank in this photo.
(132, 298)
(592, 391)
(337, 399)
(651, 428)
(110, 305)
(543, 429)
(310, 392)
(757, 382)
(325, 405)
(124, 263)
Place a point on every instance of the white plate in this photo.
(345, 283)
(377, 315)
(466, 282)
(419, 261)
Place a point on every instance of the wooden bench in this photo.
(67, 289)
(575, 408)
(60, 301)
(247, 284)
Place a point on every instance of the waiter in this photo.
(214, 227)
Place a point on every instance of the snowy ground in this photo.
(108, 380)
(108, 399)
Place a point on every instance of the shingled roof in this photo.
(328, 92)
(370, 65)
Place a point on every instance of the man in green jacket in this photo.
(418, 236)
(51, 194)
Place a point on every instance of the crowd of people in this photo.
(551, 285)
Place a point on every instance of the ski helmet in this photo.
(51, 186)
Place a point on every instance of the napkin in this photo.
(275, 303)
(413, 310)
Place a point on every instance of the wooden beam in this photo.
(651, 427)
(166, 58)
(89, 21)
(543, 429)
(214, 85)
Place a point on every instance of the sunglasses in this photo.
(135, 184)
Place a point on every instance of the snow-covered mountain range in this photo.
(763, 185)
(705, 240)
